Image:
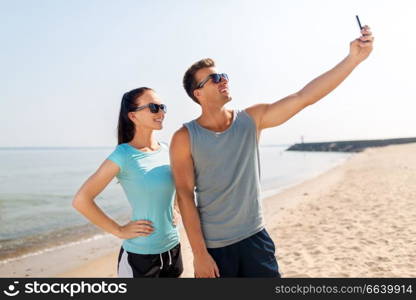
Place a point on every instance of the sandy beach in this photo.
(356, 220)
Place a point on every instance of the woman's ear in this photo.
(132, 116)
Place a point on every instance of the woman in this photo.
(151, 241)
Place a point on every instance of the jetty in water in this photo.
(348, 146)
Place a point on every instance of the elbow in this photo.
(305, 99)
(76, 203)
(185, 199)
(79, 202)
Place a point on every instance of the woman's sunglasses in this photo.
(153, 107)
(216, 78)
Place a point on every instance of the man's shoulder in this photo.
(181, 135)
(180, 144)
(255, 112)
(183, 130)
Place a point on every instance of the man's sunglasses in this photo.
(153, 107)
(216, 78)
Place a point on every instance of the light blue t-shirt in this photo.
(147, 181)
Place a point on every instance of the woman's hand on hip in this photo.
(135, 229)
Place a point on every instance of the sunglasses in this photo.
(216, 78)
(153, 107)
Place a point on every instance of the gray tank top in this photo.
(227, 180)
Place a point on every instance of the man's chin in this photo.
(227, 98)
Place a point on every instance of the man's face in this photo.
(214, 93)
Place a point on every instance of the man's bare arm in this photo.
(183, 174)
(274, 114)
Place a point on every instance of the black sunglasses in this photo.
(215, 79)
(153, 107)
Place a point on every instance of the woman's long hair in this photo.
(126, 128)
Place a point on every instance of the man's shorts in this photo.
(166, 264)
(251, 257)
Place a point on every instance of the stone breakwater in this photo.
(348, 146)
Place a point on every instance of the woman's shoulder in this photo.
(119, 151)
(121, 148)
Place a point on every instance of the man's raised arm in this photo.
(274, 114)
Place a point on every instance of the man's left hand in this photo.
(361, 48)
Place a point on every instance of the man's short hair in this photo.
(189, 82)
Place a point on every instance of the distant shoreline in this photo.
(332, 146)
(349, 146)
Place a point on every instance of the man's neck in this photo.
(216, 119)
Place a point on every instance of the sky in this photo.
(64, 65)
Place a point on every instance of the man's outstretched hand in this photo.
(361, 48)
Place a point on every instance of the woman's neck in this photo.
(144, 140)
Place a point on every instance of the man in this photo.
(216, 155)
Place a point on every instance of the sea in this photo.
(37, 186)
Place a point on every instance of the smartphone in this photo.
(359, 23)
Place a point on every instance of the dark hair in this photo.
(189, 82)
(126, 128)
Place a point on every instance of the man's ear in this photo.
(197, 93)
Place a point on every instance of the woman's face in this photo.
(144, 117)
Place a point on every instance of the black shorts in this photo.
(166, 264)
(251, 257)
